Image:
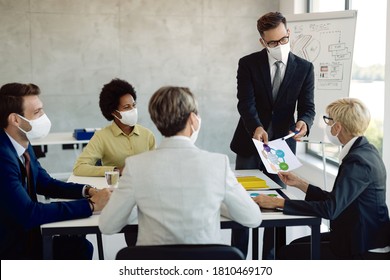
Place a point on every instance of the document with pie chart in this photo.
(277, 156)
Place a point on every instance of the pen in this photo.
(290, 135)
(311, 142)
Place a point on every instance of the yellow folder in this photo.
(252, 182)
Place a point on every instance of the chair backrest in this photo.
(181, 252)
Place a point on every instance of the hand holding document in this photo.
(277, 155)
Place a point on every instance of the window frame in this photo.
(309, 150)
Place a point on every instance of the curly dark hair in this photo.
(110, 95)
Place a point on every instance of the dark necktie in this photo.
(34, 237)
(28, 175)
(277, 80)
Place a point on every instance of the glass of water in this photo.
(112, 178)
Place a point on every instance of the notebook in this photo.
(252, 182)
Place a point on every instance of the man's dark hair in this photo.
(110, 95)
(11, 99)
(270, 21)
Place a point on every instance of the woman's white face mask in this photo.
(40, 127)
(332, 138)
(128, 117)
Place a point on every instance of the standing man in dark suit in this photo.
(21, 178)
(272, 85)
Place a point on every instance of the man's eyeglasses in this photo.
(327, 119)
(273, 44)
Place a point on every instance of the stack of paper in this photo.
(252, 182)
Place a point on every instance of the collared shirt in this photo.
(19, 148)
(179, 137)
(112, 146)
(346, 148)
(272, 67)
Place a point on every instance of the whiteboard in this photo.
(326, 40)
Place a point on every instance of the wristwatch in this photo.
(86, 190)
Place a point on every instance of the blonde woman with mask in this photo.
(356, 206)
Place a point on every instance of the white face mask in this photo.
(280, 52)
(195, 133)
(40, 127)
(332, 138)
(128, 117)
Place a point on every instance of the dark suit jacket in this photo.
(255, 104)
(19, 214)
(356, 206)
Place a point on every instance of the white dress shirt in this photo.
(272, 67)
(19, 148)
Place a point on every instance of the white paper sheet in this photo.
(277, 156)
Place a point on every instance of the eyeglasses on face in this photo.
(327, 119)
(273, 44)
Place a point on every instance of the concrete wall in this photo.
(71, 48)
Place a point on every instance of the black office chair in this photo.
(181, 252)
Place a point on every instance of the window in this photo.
(368, 70)
(327, 5)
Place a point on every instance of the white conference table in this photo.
(58, 138)
(270, 219)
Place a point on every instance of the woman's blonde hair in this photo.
(352, 113)
(170, 108)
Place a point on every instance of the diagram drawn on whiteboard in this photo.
(324, 46)
(327, 40)
(276, 156)
(306, 47)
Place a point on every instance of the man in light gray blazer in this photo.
(180, 190)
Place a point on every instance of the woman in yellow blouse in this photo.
(119, 140)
